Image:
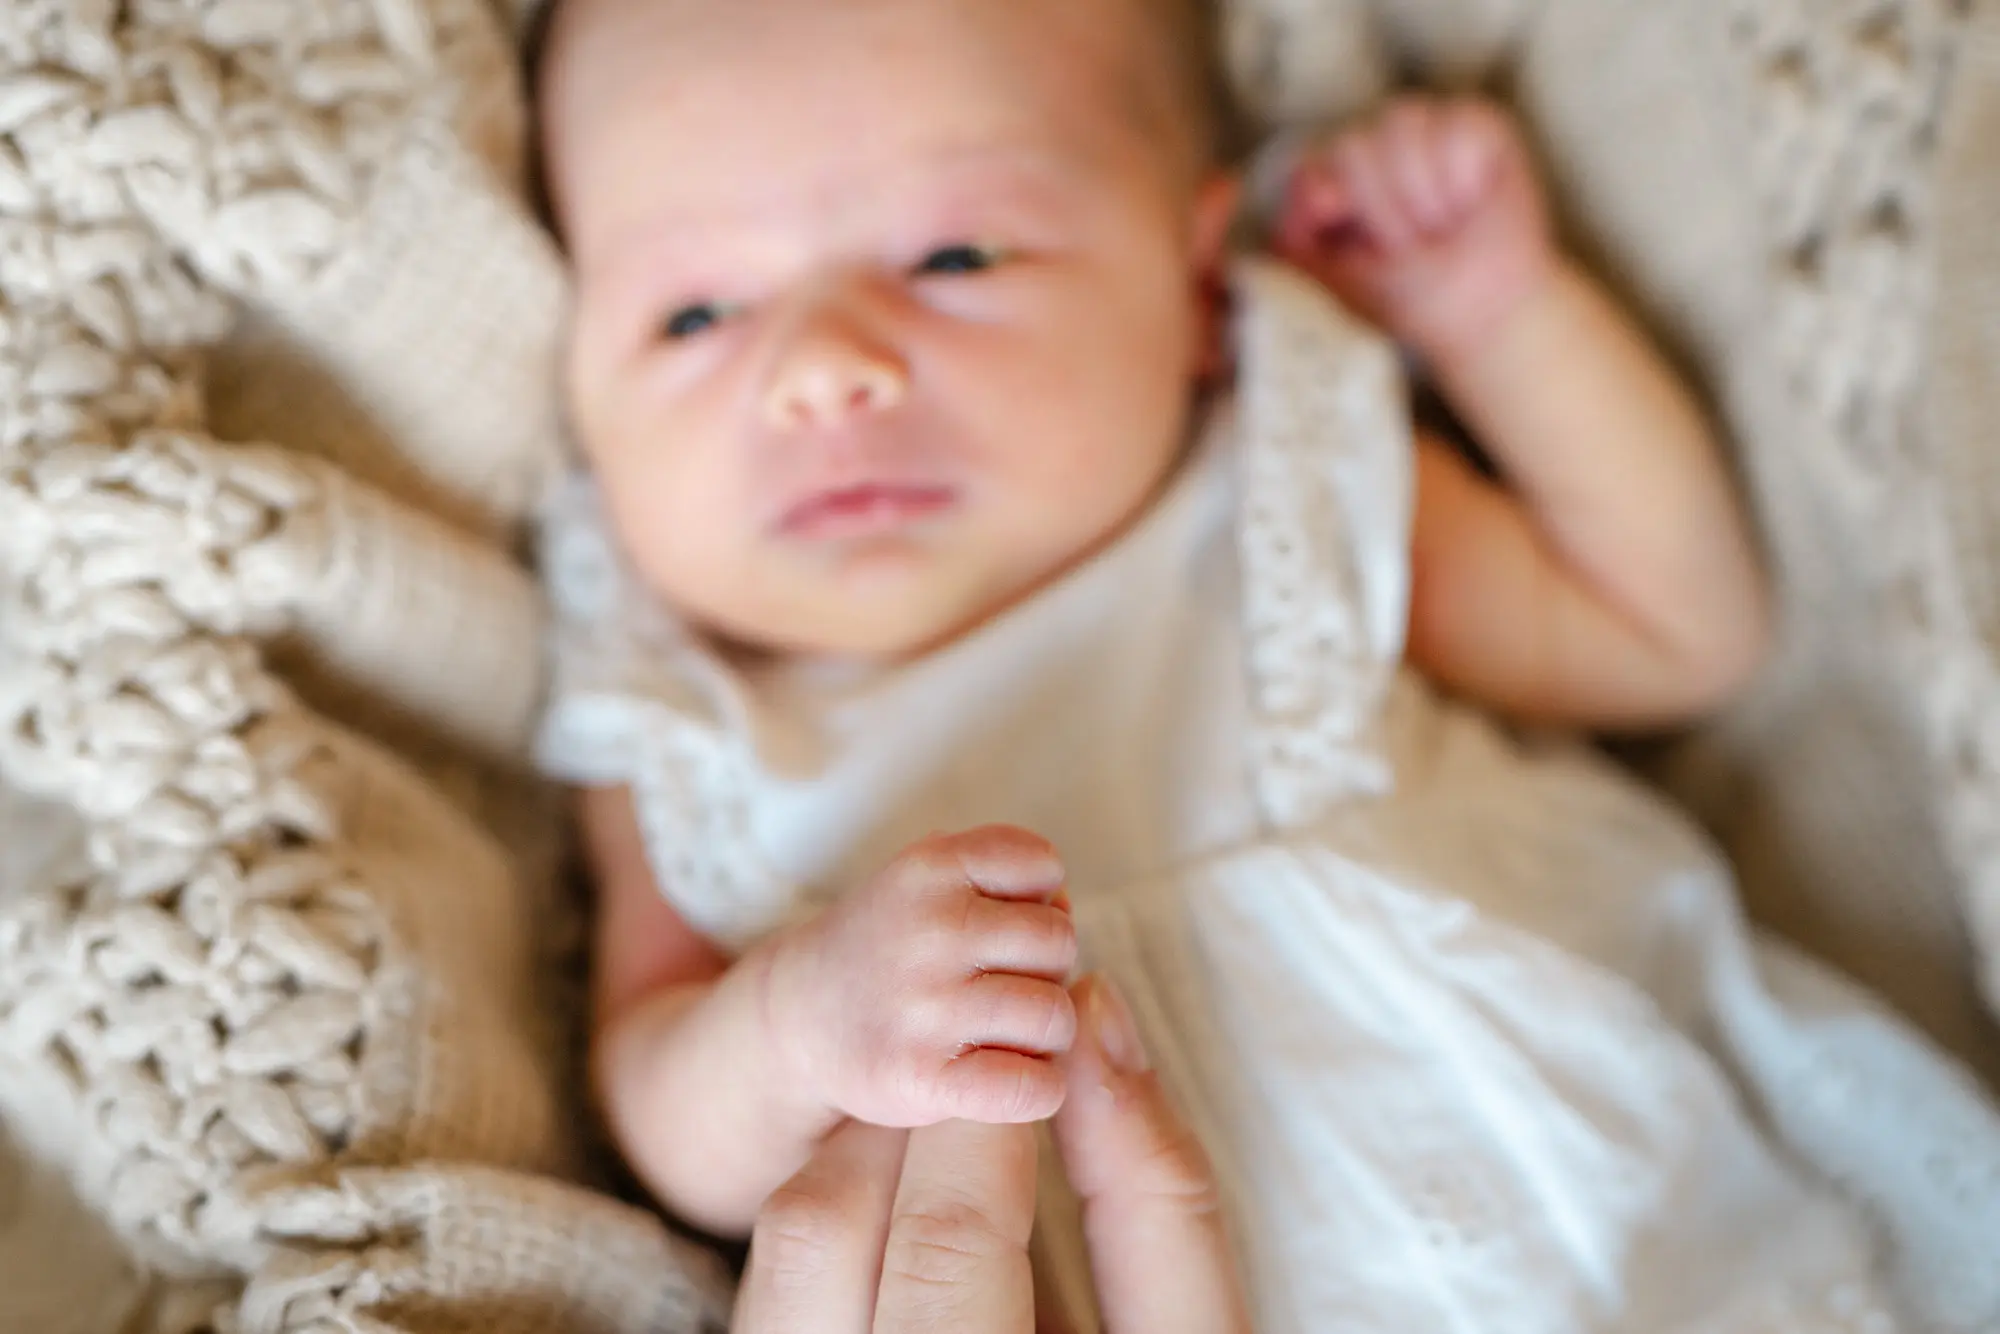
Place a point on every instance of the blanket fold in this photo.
(276, 1012)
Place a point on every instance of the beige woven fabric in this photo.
(1962, 419)
(284, 1020)
(274, 1045)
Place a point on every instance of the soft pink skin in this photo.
(1426, 220)
(862, 457)
(761, 157)
(1608, 579)
(935, 991)
(855, 453)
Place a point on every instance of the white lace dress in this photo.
(1469, 1022)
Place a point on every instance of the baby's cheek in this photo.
(681, 528)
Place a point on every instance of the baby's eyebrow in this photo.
(1002, 187)
(701, 253)
(669, 258)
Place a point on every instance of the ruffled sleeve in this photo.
(620, 664)
(636, 701)
(1328, 489)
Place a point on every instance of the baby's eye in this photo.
(952, 260)
(689, 321)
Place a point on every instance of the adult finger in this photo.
(816, 1251)
(956, 1260)
(1151, 1212)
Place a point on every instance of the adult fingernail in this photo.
(1116, 1033)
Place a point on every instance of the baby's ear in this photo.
(1215, 208)
(1216, 202)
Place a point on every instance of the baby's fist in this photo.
(935, 991)
(1427, 220)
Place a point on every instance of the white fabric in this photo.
(1469, 1022)
(1798, 197)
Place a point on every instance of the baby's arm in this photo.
(1608, 579)
(933, 992)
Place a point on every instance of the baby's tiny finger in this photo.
(1017, 1014)
(1000, 1087)
(1361, 173)
(1314, 198)
(1471, 151)
(1410, 143)
(999, 861)
(1032, 939)
(1313, 231)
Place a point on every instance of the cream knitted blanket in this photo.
(282, 1016)
(273, 958)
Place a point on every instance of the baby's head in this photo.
(888, 311)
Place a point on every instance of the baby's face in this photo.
(887, 310)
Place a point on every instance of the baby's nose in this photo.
(831, 374)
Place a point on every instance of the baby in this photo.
(960, 480)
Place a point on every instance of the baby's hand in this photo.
(1427, 221)
(935, 992)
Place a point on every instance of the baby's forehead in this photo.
(580, 38)
(789, 85)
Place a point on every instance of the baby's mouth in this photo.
(864, 510)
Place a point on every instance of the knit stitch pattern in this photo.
(277, 1019)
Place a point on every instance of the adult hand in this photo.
(926, 1232)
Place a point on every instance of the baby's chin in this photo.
(867, 615)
